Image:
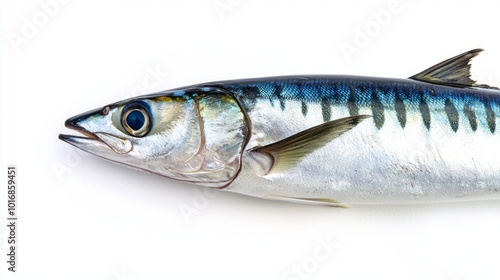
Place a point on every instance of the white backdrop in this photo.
(83, 218)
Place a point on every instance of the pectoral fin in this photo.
(286, 153)
(312, 201)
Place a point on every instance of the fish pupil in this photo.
(136, 120)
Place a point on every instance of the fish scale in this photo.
(379, 95)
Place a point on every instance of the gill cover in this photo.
(223, 133)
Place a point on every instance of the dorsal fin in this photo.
(453, 72)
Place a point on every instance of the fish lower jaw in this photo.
(82, 141)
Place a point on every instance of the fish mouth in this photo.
(98, 143)
(71, 123)
(80, 141)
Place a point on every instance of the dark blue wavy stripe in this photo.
(377, 94)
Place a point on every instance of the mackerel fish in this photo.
(326, 140)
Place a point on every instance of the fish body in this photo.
(423, 142)
(334, 140)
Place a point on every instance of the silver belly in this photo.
(371, 166)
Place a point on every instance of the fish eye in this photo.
(135, 120)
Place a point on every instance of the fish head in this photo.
(195, 135)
